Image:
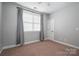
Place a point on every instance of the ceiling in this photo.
(46, 7)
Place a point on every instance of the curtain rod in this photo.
(28, 9)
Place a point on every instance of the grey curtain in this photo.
(20, 32)
(42, 28)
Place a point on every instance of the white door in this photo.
(50, 29)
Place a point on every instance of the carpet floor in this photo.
(43, 48)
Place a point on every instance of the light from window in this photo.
(27, 17)
(36, 19)
(27, 27)
(31, 21)
(36, 27)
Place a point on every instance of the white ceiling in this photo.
(46, 7)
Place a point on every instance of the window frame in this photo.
(33, 23)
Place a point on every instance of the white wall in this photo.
(0, 25)
(67, 25)
(9, 16)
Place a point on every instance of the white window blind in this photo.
(31, 21)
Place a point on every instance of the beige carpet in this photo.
(44, 48)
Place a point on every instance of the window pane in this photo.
(27, 17)
(36, 19)
(36, 27)
(27, 27)
(31, 21)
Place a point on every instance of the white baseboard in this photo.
(6, 47)
(1, 51)
(70, 45)
(10, 46)
(31, 41)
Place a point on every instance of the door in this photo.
(50, 29)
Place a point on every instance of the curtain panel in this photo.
(20, 31)
(42, 28)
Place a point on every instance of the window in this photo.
(31, 21)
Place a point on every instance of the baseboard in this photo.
(31, 42)
(10, 46)
(6, 47)
(1, 51)
(70, 45)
